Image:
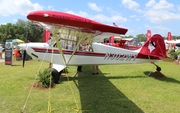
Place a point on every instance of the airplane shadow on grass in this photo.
(164, 79)
(99, 95)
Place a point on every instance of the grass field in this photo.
(117, 89)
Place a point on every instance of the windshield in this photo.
(133, 42)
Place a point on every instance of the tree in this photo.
(7, 32)
(141, 37)
(32, 32)
(130, 36)
(24, 30)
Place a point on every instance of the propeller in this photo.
(23, 47)
(24, 57)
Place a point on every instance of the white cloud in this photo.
(100, 17)
(69, 11)
(118, 18)
(162, 28)
(161, 16)
(94, 7)
(14, 20)
(158, 29)
(162, 5)
(161, 12)
(84, 14)
(148, 26)
(179, 8)
(150, 3)
(135, 17)
(106, 19)
(113, 12)
(130, 4)
(22, 7)
(51, 7)
(80, 13)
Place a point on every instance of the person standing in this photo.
(95, 69)
(1, 52)
(79, 68)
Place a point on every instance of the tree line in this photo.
(23, 30)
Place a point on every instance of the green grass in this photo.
(117, 89)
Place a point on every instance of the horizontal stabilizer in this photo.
(173, 41)
(168, 59)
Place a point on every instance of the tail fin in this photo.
(169, 37)
(148, 35)
(155, 46)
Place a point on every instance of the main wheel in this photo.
(56, 76)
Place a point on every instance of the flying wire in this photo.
(60, 50)
(22, 111)
(49, 97)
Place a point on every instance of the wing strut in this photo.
(76, 48)
(58, 44)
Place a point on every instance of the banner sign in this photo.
(8, 52)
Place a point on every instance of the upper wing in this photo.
(60, 18)
(71, 30)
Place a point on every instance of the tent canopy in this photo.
(17, 41)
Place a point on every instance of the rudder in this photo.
(155, 46)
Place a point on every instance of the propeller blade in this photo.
(24, 57)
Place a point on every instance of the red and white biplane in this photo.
(71, 33)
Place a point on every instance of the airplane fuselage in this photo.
(103, 54)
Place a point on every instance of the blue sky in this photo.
(160, 16)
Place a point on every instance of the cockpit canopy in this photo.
(126, 43)
(133, 42)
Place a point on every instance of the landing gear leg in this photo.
(158, 69)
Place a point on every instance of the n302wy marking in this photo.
(122, 57)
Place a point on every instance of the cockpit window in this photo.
(133, 42)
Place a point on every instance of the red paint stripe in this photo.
(141, 56)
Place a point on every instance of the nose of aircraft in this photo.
(22, 46)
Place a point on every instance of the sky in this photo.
(159, 16)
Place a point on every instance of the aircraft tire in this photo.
(56, 76)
